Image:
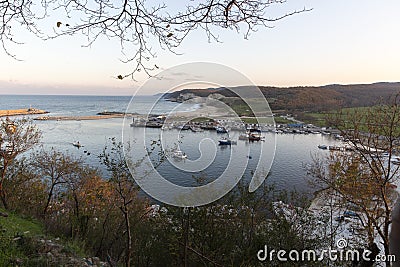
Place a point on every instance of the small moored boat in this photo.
(254, 137)
(221, 129)
(226, 142)
(395, 160)
(178, 154)
(77, 144)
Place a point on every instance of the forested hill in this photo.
(309, 98)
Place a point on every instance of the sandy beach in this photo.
(20, 112)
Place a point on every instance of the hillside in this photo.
(24, 242)
(309, 98)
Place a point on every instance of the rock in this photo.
(2, 214)
(88, 262)
(96, 261)
(57, 255)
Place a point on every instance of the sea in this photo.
(291, 153)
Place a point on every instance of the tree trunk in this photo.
(185, 251)
(49, 196)
(128, 237)
(395, 234)
(386, 244)
(3, 194)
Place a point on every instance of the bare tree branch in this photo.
(135, 23)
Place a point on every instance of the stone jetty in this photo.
(98, 116)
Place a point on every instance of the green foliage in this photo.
(14, 224)
(15, 235)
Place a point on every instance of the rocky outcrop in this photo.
(46, 252)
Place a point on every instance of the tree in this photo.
(230, 231)
(86, 198)
(366, 174)
(134, 24)
(28, 190)
(16, 137)
(57, 170)
(132, 209)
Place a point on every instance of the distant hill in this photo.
(159, 94)
(308, 98)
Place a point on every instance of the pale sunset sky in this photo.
(338, 42)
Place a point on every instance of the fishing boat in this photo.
(323, 147)
(226, 142)
(154, 124)
(254, 135)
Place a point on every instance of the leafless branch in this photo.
(135, 23)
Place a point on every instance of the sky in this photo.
(337, 42)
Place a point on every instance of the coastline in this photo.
(98, 116)
(19, 112)
(78, 118)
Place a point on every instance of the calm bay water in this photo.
(72, 105)
(293, 151)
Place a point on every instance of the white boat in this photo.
(77, 144)
(195, 129)
(322, 146)
(221, 129)
(178, 154)
(395, 160)
(133, 123)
